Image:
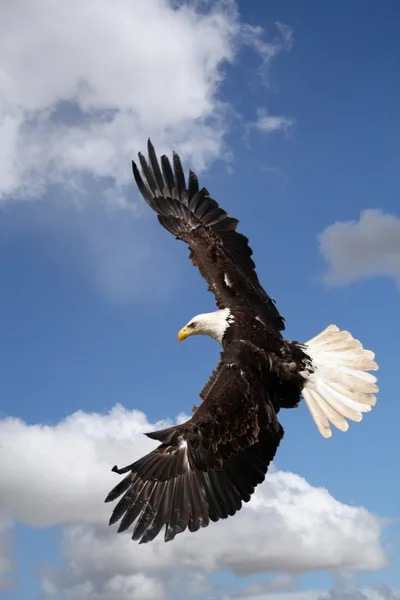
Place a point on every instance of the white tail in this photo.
(340, 386)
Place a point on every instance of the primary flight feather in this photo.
(204, 469)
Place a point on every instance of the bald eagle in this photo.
(204, 469)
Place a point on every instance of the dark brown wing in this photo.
(222, 255)
(205, 468)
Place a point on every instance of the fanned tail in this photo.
(340, 386)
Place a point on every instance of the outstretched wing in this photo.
(205, 468)
(222, 255)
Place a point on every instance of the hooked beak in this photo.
(183, 334)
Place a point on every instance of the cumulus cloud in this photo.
(261, 595)
(343, 591)
(368, 247)
(340, 591)
(281, 582)
(60, 474)
(6, 547)
(117, 587)
(83, 85)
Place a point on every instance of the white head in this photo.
(213, 324)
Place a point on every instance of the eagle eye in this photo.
(192, 325)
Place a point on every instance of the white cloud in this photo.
(281, 582)
(118, 587)
(61, 474)
(298, 595)
(368, 247)
(377, 591)
(253, 36)
(6, 546)
(270, 123)
(123, 70)
(83, 85)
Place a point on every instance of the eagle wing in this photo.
(206, 467)
(222, 255)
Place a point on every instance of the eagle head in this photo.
(213, 324)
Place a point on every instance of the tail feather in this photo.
(322, 417)
(339, 386)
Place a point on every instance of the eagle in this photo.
(204, 469)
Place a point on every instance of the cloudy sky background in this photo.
(289, 112)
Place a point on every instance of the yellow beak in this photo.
(183, 333)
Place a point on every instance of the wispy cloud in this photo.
(277, 172)
(270, 123)
(66, 469)
(253, 36)
(368, 247)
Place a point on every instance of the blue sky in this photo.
(94, 291)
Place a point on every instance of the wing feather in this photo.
(216, 248)
(206, 468)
